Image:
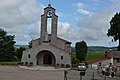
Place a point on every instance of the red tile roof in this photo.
(98, 60)
(59, 48)
(64, 40)
(68, 42)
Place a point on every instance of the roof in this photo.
(58, 48)
(64, 40)
(67, 42)
(98, 60)
(113, 53)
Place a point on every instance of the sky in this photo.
(78, 20)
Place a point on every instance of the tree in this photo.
(19, 52)
(30, 44)
(115, 28)
(74, 59)
(81, 50)
(6, 46)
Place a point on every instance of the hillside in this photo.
(90, 48)
(17, 46)
(96, 48)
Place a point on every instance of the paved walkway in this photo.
(42, 68)
(16, 73)
(75, 75)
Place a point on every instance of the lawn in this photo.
(91, 56)
(14, 63)
(94, 56)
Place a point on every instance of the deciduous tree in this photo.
(6, 46)
(19, 52)
(115, 28)
(30, 44)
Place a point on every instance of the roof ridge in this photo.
(58, 47)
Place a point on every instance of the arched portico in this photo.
(45, 58)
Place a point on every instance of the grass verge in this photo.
(94, 56)
(14, 63)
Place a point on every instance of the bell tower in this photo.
(49, 12)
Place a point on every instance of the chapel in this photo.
(49, 49)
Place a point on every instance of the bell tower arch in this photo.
(49, 12)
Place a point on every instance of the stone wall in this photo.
(46, 46)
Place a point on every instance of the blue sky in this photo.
(78, 20)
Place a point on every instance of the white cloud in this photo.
(21, 18)
(81, 8)
(115, 1)
(84, 11)
(27, 12)
(80, 5)
(68, 32)
(97, 0)
(94, 28)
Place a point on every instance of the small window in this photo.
(29, 56)
(61, 57)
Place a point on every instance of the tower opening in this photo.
(49, 25)
(49, 21)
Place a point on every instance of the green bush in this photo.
(9, 63)
(67, 66)
(26, 63)
(31, 63)
(62, 65)
(21, 63)
(74, 59)
(57, 65)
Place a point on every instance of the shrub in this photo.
(67, 66)
(9, 63)
(57, 65)
(62, 65)
(26, 63)
(22, 63)
(31, 63)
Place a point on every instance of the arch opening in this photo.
(45, 58)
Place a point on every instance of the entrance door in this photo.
(47, 59)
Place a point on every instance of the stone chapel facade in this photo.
(48, 49)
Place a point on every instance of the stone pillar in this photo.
(43, 27)
(54, 28)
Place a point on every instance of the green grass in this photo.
(13, 63)
(94, 56)
(91, 56)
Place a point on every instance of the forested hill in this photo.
(90, 48)
(17, 46)
(97, 48)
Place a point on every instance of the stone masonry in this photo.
(48, 49)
